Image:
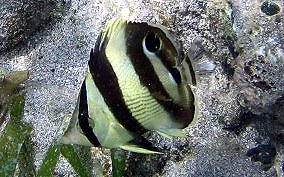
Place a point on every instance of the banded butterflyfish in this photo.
(138, 80)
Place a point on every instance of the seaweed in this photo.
(70, 154)
(13, 139)
(16, 151)
(118, 158)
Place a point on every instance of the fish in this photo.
(138, 79)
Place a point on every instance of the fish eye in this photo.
(152, 42)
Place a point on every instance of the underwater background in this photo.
(240, 125)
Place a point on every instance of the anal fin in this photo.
(141, 145)
(138, 149)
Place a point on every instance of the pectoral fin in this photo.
(170, 133)
(161, 97)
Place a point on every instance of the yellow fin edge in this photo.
(135, 148)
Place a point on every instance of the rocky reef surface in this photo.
(240, 127)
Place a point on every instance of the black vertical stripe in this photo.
(83, 117)
(107, 83)
(148, 78)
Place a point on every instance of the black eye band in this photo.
(176, 75)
